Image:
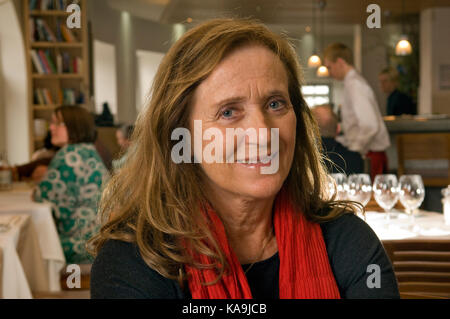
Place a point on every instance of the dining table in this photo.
(398, 225)
(38, 256)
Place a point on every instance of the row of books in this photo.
(51, 4)
(40, 31)
(43, 97)
(66, 96)
(44, 63)
(72, 97)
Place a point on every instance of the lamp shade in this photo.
(403, 47)
(322, 71)
(314, 61)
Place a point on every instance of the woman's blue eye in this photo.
(227, 113)
(274, 104)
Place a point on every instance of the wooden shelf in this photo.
(57, 45)
(58, 76)
(47, 107)
(54, 84)
(49, 13)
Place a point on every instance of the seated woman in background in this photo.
(37, 168)
(261, 226)
(73, 180)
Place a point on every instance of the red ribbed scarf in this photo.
(305, 271)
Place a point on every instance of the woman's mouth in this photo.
(264, 161)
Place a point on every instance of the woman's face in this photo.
(248, 89)
(60, 135)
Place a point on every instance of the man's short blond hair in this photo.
(339, 50)
(392, 73)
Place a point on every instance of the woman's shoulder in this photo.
(71, 149)
(353, 249)
(119, 271)
(347, 220)
(348, 233)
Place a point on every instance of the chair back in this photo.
(422, 267)
(426, 154)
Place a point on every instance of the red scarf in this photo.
(305, 271)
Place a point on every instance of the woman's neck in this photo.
(248, 225)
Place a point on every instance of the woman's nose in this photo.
(257, 119)
(260, 121)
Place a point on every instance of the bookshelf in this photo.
(57, 61)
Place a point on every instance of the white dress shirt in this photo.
(362, 125)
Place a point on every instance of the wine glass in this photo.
(385, 190)
(340, 187)
(412, 193)
(359, 188)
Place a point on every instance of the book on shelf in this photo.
(50, 62)
(59, 35)
(59, 63)
(77, 65)
(67, 34)
(45, 63)
(37, 62)
(45, 5)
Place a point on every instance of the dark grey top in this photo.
(120, 272)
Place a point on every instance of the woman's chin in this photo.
(262, 187)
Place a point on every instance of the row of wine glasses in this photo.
(387, 190)
(355, 187)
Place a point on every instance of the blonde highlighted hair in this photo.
(156, 203)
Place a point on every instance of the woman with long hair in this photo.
(177, 224)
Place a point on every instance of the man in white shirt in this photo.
(363, 128)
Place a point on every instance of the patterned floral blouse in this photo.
(73, 186)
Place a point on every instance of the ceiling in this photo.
(276, 12)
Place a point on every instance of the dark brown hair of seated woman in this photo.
(79, 123)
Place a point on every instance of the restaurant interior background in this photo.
(121, 43)
(126, 40)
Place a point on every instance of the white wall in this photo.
(14, 130)
(147, 65)
(434, 54)
(374, 59)
(105, 79)
(128, 34)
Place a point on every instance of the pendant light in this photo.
(314, 59)
(322, 71)
(403, 46)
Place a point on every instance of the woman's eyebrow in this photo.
(230, 100)
(237, 99)
(276, 92)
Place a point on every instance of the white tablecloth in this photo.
(18, 201)
(13, 281)
(426, 225)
